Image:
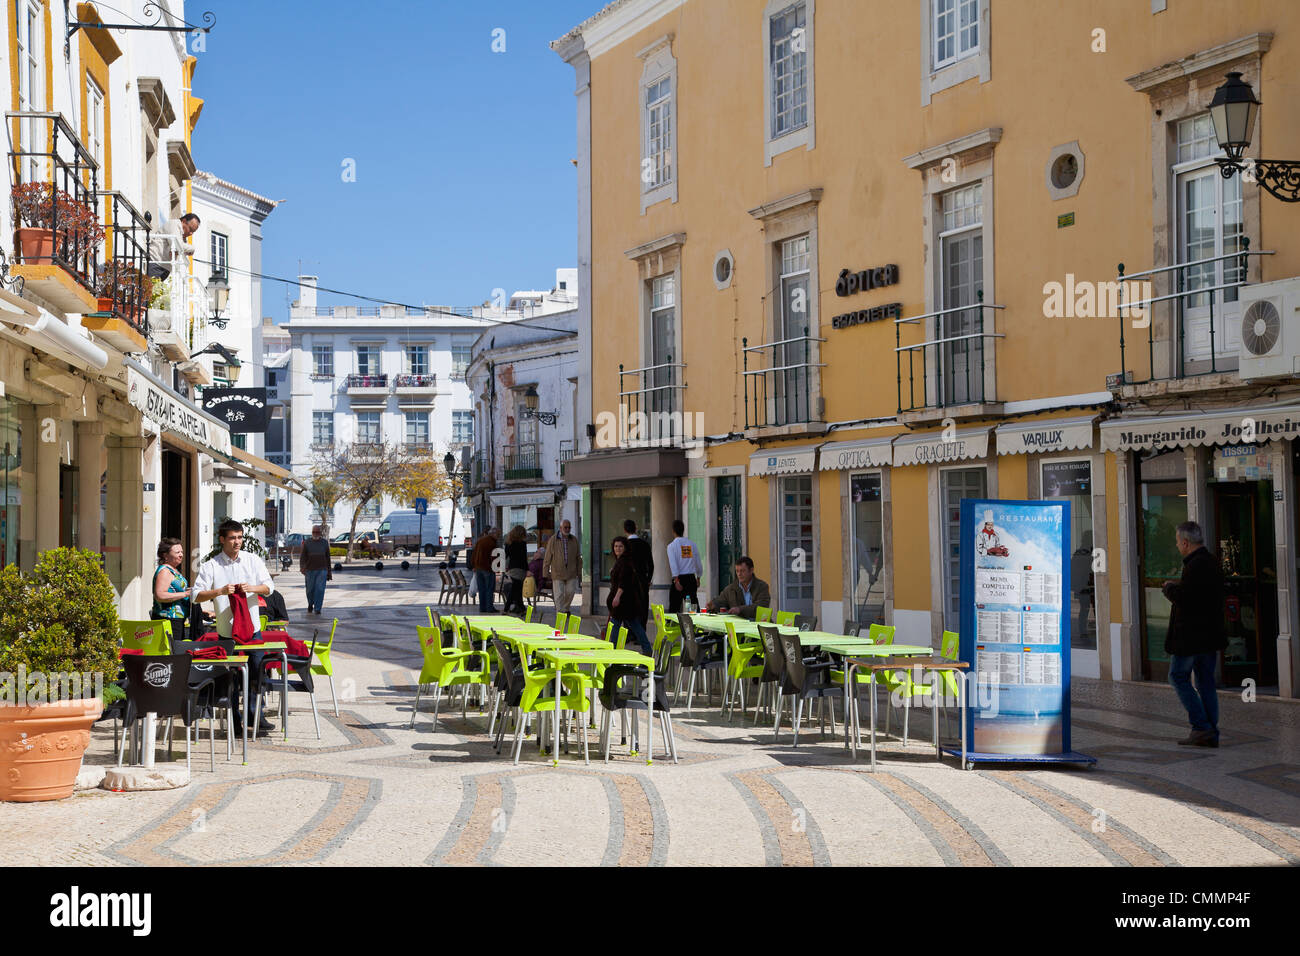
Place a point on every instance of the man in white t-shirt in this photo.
(686, 567)
(235, 571)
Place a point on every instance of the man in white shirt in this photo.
(235, 571)
(686, 567)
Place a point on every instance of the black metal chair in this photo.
(805, 678)
(616, 695)
(699, 655)
(773, 664)
(158, 685)
(301, 666)
(211, 690)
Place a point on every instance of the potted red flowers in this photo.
(123, 288)
(42, 209)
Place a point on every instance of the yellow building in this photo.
(850, 263)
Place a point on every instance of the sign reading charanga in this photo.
(176, 415)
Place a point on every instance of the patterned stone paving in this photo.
(373, 791)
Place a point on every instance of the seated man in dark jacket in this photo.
(744, 595)
(1195, 634)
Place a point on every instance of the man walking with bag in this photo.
(563, 565)
(1195, 634)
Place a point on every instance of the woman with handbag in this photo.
(516, 567)
(628, 600)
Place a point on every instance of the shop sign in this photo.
(960, 446)
(1244, 425)
(1042, 437)
(851, 456)
(242, 409)
(1240, 463)
(174, 414)
(1066, 479)
(864, 280)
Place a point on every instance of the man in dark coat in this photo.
(1195, 634)
(643, 560)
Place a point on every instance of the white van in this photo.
(399, 533)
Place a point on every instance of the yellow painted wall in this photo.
(910, 509)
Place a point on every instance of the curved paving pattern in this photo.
(374, 791)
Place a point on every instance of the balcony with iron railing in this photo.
(122, 284)
(782, 387)
(567, 448)
(1183, 338)
(418, 448)
(179, 307)
(415, 387)
(651, 399)
(522, 462)
(950, 372)
(366, 386)
(55, 188)
(480, 474)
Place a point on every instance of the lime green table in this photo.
(570, 656)
(902, 661)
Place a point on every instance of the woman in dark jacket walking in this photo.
(516, 567)
(627, 601)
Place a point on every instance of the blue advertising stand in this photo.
(1015, 631)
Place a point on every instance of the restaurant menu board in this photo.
(1015, 624)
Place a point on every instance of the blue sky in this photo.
(464, 181)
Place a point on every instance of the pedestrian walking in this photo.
(684, 563)
(1195, 636)
(314, 563)
(563, 565)
(480, 562)
(638, 549)
(171, 592)
(627, 600)
(516, 567)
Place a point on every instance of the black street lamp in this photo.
(219, 289)
(530, 408)
(1233, 112)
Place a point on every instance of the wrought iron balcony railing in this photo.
(123, 283)
(56, 182)
(948, 368)
(1191, 306)
(366, 381)
(522, 462)
(417, 380)
(480, 474)
(652, 397)
(780, 389)
(566, 454)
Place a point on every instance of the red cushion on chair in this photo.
(124, 651)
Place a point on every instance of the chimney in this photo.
(307, 292)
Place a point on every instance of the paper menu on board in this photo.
(1042, 588)
(997, 587)
(997, 627)
(1042, 627)
(1041, 668)
(998, 667)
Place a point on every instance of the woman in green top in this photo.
(171, 592)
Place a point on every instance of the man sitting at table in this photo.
(744, 595)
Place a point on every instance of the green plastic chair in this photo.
(787, 618)
(575, 623)
(739, 666)
(149, 637)
(538, 696)
(528, 613)
(950, 649)
(561, 621)
(443, 667)
(324, 666)
(763, 615)
(897, 681)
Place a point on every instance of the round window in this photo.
(1065, 170)
(722, 269)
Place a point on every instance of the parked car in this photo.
(400, 533)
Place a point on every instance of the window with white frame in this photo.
(95, 121)
(368, 359)
(322, 428)
(417, 428)
(789, 65)
(417, 359)
(322, 361)
(220, 247)
(31, 80)
(961, 263)
(657, 164)
(955, 31)
(793, 401)
(461, 353)
(462, 427)
(368, 428)
(663, 338)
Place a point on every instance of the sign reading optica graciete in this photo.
(243, 409)
(1015, 628)
(850, 283)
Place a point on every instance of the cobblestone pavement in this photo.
(374, 791)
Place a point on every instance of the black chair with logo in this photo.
(158, 685)
(212, 690)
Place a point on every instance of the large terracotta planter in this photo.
(41, 747)
(36, 245)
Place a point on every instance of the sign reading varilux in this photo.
(1015, 628)
(243, 409)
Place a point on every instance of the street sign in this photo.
(421, 506)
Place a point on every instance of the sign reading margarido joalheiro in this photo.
(1015, 627)
(176, 415)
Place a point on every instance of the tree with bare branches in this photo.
(363, 472)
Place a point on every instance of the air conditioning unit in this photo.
(1270, 330)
